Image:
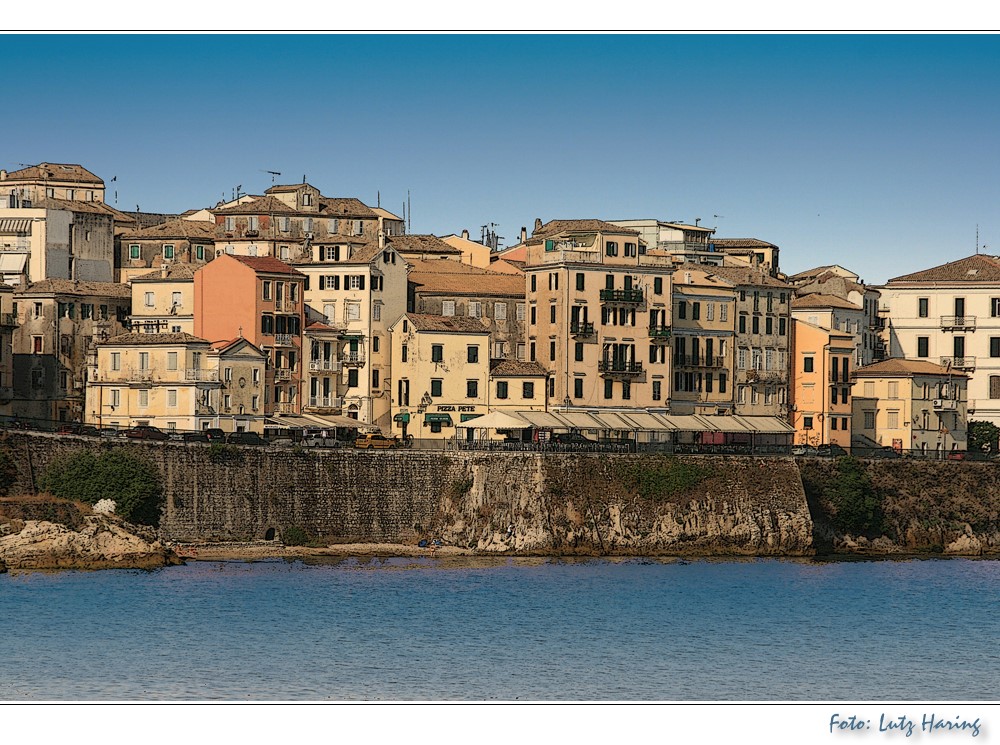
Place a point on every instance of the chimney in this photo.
(465, 234)
(3, 175)
(163, 271)
(538, 225)
(524, 234)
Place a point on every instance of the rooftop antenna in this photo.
(977, 239)
(303, 178)
(378, 198)
(273, 175)
(409, 213)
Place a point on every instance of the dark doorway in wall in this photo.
(269, 535)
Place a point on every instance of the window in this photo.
(375, 375)
(352, 311)
(923, 346)
(501, 389)
(168, 251)
(519, 311)
(769, 325)
(533, 316)
(922, 307)
(807, 364)
(611, 248)
(553, 281)
(994, 386)
(448, 308)
(437, 353)
(995, 306)
(807, 422)
(552, 314)
(630, 249)
(743, 323)
(682, 309)
(552, 351)
(227, 374)
(722, 382)
(150, 299)
(116, 361)
(520, 351)
(657, 285)
(531, 350)
(579, 281)
(266, 290)
(473, 354)
(500, 311)
(116, 398)
(781, 326)
(723, 312)
(143, 360)
(695, 311)
(256, 376)
(436, 384)
(609, 388)
(869, 419)
(352, 378)
(475, 309)
(143, 397)
(527, 390)
(133, 251)
(171, 360)
(227, 401)
(377, 312)
(578, 388)
(657, 390)
(172, 398)
(892, 419)
(255, 403)
(334, 226)
(71, 194)
(578, 356)
(534, 282)
(307, 199)
(755, 326)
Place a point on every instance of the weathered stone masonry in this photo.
(529, 503)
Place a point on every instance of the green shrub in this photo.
(654, 479)
(294, 536)
(221, 452)
(131, 481)
(856, 501)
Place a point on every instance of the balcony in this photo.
(8, 319)
(203, 409)
(284, 305)
(353, 359)
(619, 368)
(660, 333)
(283, 340)
(945, 404)
(959, 363)
(285, 407)
(581, 328)
(326, 402)
(767, 376)
(631, 297)
(282, 374)
(958, 322)
(325, 365)
(834, 378)
(209, 376)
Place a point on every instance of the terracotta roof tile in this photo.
(486, 284)
(57, 172)
(265, 205)
(455, 324)
(178, 337)
(174, 273)
(555, 227)
(421, 244)
(344, 207)
(818, 300)
(97, 208)
(747, 276)
(76, 287)
(727, 243)
(176, 229)
(975, 268)
(516, 368)
(900, 366)
(266, 264)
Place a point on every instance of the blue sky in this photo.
(876, 152)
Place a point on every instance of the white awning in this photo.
(11, 262)
(15, 226)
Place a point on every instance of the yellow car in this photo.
(367, 442)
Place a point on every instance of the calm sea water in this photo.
(405, 629)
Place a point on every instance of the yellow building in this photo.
(703, 322)
(163, 300)
(911, 405)
(441, 367)
(176, 381)
(821, 385)
(598, 315)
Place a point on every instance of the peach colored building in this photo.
(822, 364)
(261, 299)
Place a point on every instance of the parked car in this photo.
(87, 430)
(830, 451)
(146, 432)
(245, 438)
(214, 434)
(886, 452)
(376, 441)
(804, 450)
(956, 455)
(194, 437)
(571, 438)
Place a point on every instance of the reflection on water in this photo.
(486, 628)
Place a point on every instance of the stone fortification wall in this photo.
(530, 503)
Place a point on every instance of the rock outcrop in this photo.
(100, 542)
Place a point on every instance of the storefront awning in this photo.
(15, 225)
(11, 263)
(443, 418)
(404, 417)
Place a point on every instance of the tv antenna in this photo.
(274, 174)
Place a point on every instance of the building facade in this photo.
(821, 368)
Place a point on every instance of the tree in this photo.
(856, 501)
(983, 437)
(131, 481)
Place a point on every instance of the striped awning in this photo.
(15, 226)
